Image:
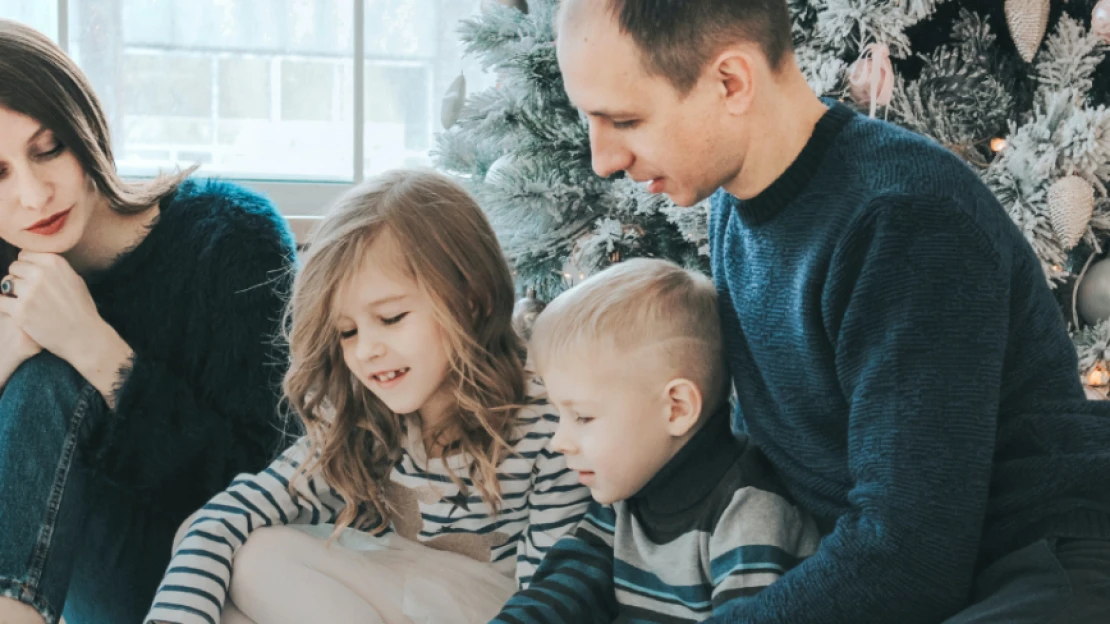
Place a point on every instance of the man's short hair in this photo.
(640, 302)
(678, 37)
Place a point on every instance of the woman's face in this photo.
(45, 198)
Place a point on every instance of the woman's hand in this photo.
(52, 305)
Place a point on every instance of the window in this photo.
(264, 91)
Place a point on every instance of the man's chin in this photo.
(683, 200)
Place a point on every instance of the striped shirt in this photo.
(711, 528)
(541, 501)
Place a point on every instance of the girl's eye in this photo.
(625, 125)
(53, 152)
(393, 320)
(582, 420)
(350, 333)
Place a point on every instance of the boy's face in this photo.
(613, 421)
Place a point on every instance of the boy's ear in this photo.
(683, 406)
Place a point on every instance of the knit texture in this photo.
(899, 357)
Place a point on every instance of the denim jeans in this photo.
(1051, 581)
(70, 539)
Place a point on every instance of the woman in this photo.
(139, 370)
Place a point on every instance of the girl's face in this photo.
(391, 340)
(45, 198)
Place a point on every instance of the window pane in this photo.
(248, 88)
(412, 55)
(38, 14)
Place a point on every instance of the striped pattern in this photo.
(542, 500)
(611, 567)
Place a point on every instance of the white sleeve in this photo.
(555, 505)
(196, 583)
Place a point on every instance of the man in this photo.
(895, 349)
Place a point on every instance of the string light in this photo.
(998, 144)
(1098, 377)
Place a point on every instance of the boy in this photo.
(685, 518)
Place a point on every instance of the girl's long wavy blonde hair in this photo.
(452, 254)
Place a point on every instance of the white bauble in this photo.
(1093, 299)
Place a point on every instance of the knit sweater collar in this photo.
(764, 206)
(694, 471)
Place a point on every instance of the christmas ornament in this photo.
(525, 312)
(453, 102)
(498, 167)
(1100, 20)
(1093, 294)
(1071, 201)
(871, 81)
(1028, 20)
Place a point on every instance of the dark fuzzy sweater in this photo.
(200, 301)
(899, 357)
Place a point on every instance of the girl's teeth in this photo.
(391, 375)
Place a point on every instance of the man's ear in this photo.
(735, 70)
(682, 406)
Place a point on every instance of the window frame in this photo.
(301, 202)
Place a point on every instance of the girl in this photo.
(426, 435)
(138, 365)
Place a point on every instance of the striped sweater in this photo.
(541, 500)
(711, 528)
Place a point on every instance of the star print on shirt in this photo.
(458, 500)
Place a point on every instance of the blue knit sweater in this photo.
(199, 301)
(900, 359)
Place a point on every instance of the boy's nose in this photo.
(561, 442)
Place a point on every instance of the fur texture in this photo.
(200, 302)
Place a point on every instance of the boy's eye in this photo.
(625, 125)
(582, 420)
(393, 320)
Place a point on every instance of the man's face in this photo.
(686, 146)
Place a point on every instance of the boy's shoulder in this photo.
(751, 507)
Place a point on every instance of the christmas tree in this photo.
(1019, 89)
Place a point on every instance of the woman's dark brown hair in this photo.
(39, 81)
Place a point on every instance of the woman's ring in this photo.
(7, 287)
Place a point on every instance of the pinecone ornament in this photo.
(1028, 21)
(453, 102)
(1071, 201)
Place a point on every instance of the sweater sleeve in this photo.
(556, 504)
(209, 408)
(917, 308)
(195, 585)
(575, 581)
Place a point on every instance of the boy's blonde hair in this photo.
(439, 237)
(637, 303)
